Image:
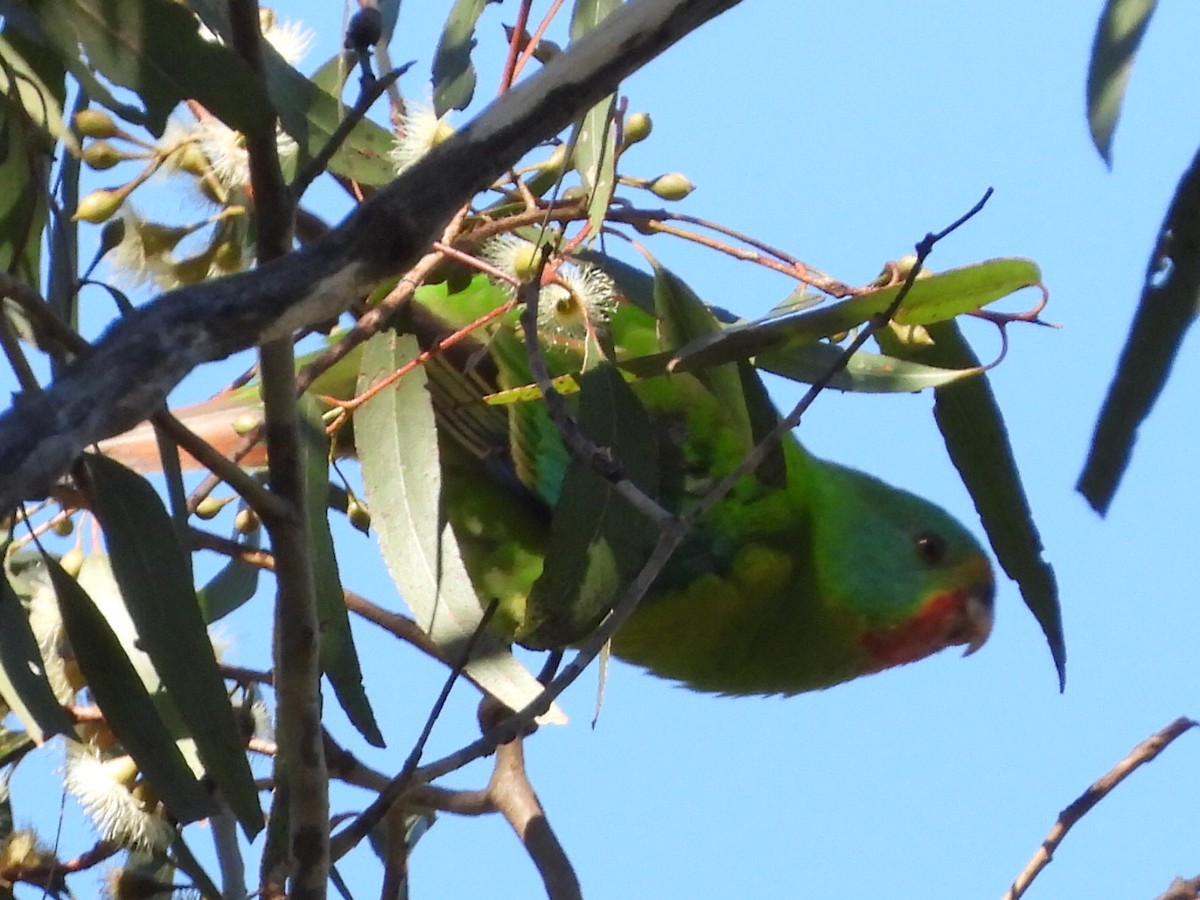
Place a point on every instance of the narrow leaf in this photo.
(937, 298)
(868, 373)
(154, 48)
(977, 440)
(152, 570)
(310, 114)
(127, 706)
(339, 658)
(229, 588)
(595, 139)
(453, 72)
(598, 541)
(1166, 310)
(396, 435)
(23, 682)
(1118, 35)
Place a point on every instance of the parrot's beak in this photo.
(978, 616)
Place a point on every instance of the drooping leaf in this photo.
(152, 570)
(598, 541)
(231, 587)
(154, 48)
(127, 706)
(26, 149)
(595, 139)
(396, 436)
(1118, 35)
(453, 72)
(938, 298)
(865, 372)
(339, 658)
(977, 440)
(1167, 308)
(42, 102)
(23, 682)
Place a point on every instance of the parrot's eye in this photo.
(931, 548)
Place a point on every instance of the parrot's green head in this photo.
(908, 577)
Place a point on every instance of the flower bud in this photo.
(637, 128)
(672, 186)
(359, 516)
(95, 123)
(99, 206)
(246, 521)
(209, 507)
(101, 155)
(72, 561)
(64, 526)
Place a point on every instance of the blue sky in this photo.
(843, 133)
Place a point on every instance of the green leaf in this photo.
(154, 48)
(231, 587)
(23, 682)
(339, 658)
(1118, 35)
(595, 139)
(25, 159)
(598, 541)
(934, 299)
(128, 709)
(20, 82)
(396, 435)
(977, 440)
(453, 72)
(152, 570)
(868, 373)
(1167, 308)
(310, 115)
(682, 318)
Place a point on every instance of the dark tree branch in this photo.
(137, 362)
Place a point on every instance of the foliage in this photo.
(112, 649)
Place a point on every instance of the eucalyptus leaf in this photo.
(936, 298)
(976, 437)
(1118, 35)
(865, 372)
(339, 658)
(453, 72)
(396, 435)
(598, 541)
(1165, 312)
(154, 48)
(152, 569)
(127, 706)
(23, 682)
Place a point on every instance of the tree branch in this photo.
(140, 358)
(1140, 755)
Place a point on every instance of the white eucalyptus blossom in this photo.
(104, 788)
(581, 296)
(421, 130)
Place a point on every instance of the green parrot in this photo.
(807, 574)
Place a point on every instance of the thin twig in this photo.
(371, 92)
(1143, 753)
(349, 837)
